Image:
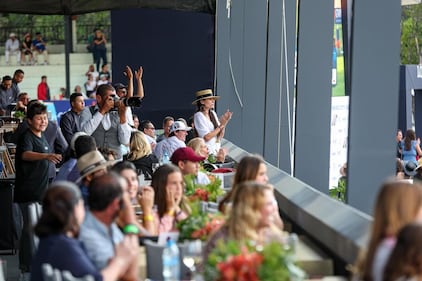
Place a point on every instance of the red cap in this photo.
(185, 153)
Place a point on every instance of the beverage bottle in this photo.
(171, 261)
(166, 158)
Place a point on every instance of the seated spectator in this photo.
(108, 199)
(176, 139)
(6, 94)
(22, 104)
(167, 122)
(405, 260)
(90, 86)
(108, 154)
(188, 162)
(167, 182)
(135, 122)
(70, 120)
(250, 168)
(145, 198)
(105, 72)
(58, 229)
(102, 81)
(78, 90)
(39, 48)
(201, 148)
(250, 218)
(80, 144)
(148, 129)
(12, 47)
(26, 50)
(398, 203)
(141, 154)
(191, 133)
(91, 71)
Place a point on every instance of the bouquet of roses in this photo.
(199, 224)
(231, 261)
(208, 193)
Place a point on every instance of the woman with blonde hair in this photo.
(250, 218)
(398, 203)
(200, 147)
(141, 154)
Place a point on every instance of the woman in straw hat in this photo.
(206, 121)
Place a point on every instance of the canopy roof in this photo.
(76, 7)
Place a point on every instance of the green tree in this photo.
(411, 34)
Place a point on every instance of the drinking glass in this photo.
(192, 256)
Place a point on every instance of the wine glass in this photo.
(192, 256)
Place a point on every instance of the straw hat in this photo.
(204, 94)
(92, 162)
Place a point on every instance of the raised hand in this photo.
(128, 72)
(138, 73)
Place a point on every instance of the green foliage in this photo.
(339, 192)
(411, 32)
(209, 192)
(232, 261)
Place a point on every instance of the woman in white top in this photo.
(206, 121)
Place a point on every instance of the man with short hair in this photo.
(108, 198)
(39, 47)
(109, 127)
(188, 162)
(167, 122)
(6, 94)
(176, 139)
(17, 78)
(22, 103)
(70, 121)
(148, 129)
(12, 47)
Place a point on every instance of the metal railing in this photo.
(54, 34)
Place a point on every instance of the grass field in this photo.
(338, 89)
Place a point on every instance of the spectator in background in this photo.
(135, 122)
(141, 154)
(43, 91)
(78, 90)
(149, 130)
(93, 72)
(103, 80)
(167, 122)
(70, 121)
(410, 147)
(176, 139)
(23, 99)
(105, 71)
(206, 121)
(399, 138)
(17, 78)
(90, 86)
(6, 94)
(188, 162)
(26, 50)
(99, 49)
(39, 47)
(12, 47)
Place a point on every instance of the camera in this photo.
(132, 101)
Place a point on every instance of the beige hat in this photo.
(12, 35)
(204, 94)
(92, 162)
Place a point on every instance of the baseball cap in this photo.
(179, 126)
(185, 153)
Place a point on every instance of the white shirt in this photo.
(203, 126)
(12, 45)
(170, 145)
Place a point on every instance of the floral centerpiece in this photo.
(231, 261)
(199, 224)
(209, 192)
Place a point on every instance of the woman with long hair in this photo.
(58, 230)
(141, 154)
(250, 218)
(410, 147)
(405, 262)
(172, 206)
(398, 203)
(207, 124)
